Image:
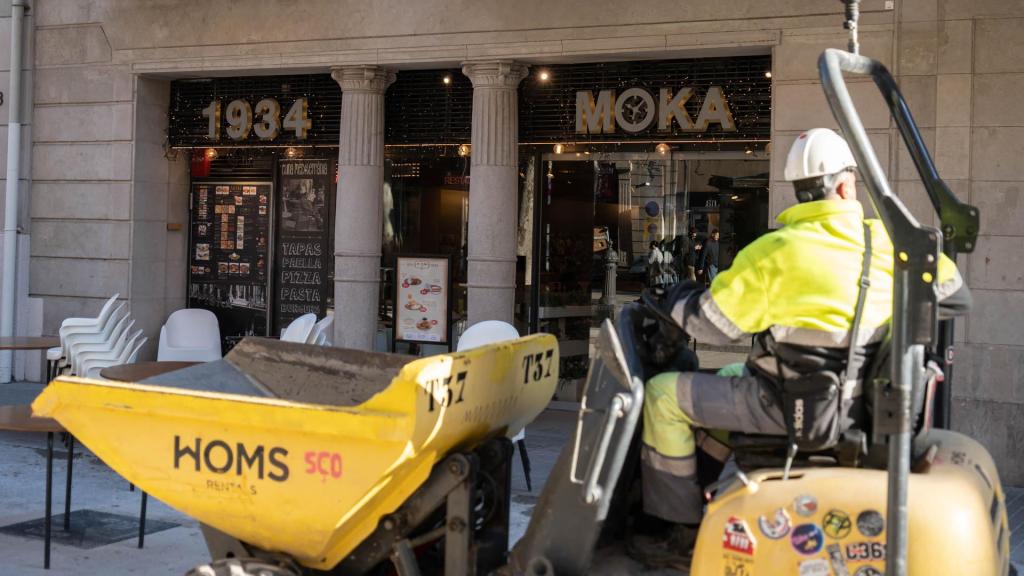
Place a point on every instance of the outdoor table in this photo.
(140, 371)
(43, 343)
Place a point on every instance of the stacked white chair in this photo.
(300, 329)
(191, 335)
(125, 351)
(492, 332)
(90, 344)
(84, 330)
(323, 332)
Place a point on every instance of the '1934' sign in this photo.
(634, 110)
(267, 114)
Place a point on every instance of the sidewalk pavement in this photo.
(178, 545)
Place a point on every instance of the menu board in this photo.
(303, 268)
(228, 275)
(422, 299)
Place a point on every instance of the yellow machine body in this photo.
(831, 521)
(308, 480)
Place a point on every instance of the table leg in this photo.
(142, 519)
(67, 489)
(49, 499)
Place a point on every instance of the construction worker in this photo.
(796, 289)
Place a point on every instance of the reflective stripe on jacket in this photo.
(801, 282)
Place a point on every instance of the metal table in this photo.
(26, 343)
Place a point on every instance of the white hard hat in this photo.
(818, 152)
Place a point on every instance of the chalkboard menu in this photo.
(304, 255)
(228, 255)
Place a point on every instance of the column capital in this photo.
(495, 73)
(372, 79)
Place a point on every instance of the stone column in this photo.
(359, 212)
(493, 189)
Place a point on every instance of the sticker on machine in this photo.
(807, 539)
(868, 571)
(737, 537)
(835, 555)
(815, 567)
(776, 527)
(870, 523)
(837, 524)
(805, 505)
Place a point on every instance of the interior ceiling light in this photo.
(559, 148)
(544, 75)
(768, 74)
(662, 148)
(463, 149)
(291, 152)
(211, 153)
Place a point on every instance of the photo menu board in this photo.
(228, 256)
(422, 299)
(304, 255)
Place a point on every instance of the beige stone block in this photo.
(997, 100)
(151, 163)
(85, 200)
(150, 201)
(803, 106)
(997, 153)
(996, 317)
(108, 161)
(953, 100)
(997, 263)
(998, 427)
(957, 9)
(700, 40)
(796, 56)
(955, 46)
(919, 92)
(432, 54)
(918, 43)
(1000, 207)
(915, 198)
(103, 239)
(149, 241)
(780, 197)
(84, 123)
(614, 44)
(78, 277)
(73, 45)
(985, 372)
(148, 278)
(62, 12)
(57, 308)
(952, 152)
(998, 45)
(918, 10)
(83, 84)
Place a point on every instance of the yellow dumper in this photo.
(301, 451)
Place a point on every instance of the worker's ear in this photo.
(846, 189)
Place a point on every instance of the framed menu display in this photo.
(304, 263)
(423, 299)
(229, 256)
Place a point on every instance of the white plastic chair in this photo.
(103, 358)
(126, 353)
(492, 332)
(191, 335)
(300, 329)
(79, 351)
(323, 332)
(73, 328)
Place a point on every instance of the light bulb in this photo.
(211, 153)
(544, 75)
(662, 148)
(463, 149)
(559, 148)
(447, 80)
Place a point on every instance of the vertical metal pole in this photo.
(142, 519)
(459, 557)
(49, 500)
(67, 488)
(10, 250)
(906, 358)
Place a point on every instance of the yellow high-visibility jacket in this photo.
(801, 283)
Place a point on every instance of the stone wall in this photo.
(99, 169)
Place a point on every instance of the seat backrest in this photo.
(192, 328)
(299, 329)
(322, 333)
(486, 332)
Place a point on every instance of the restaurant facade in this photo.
(266, 160)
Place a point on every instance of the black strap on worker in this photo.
(862, 293)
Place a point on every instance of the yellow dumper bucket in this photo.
(301, 449)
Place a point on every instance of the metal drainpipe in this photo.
(10, 263)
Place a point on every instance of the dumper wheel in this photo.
(244, 567)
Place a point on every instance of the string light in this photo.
(211, 153)
(447, 79)
(464, 149)
(768, 74)
(662, 148)
(544, 75)
(291, 152)
(559, 148)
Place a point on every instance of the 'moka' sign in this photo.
(634, 110)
